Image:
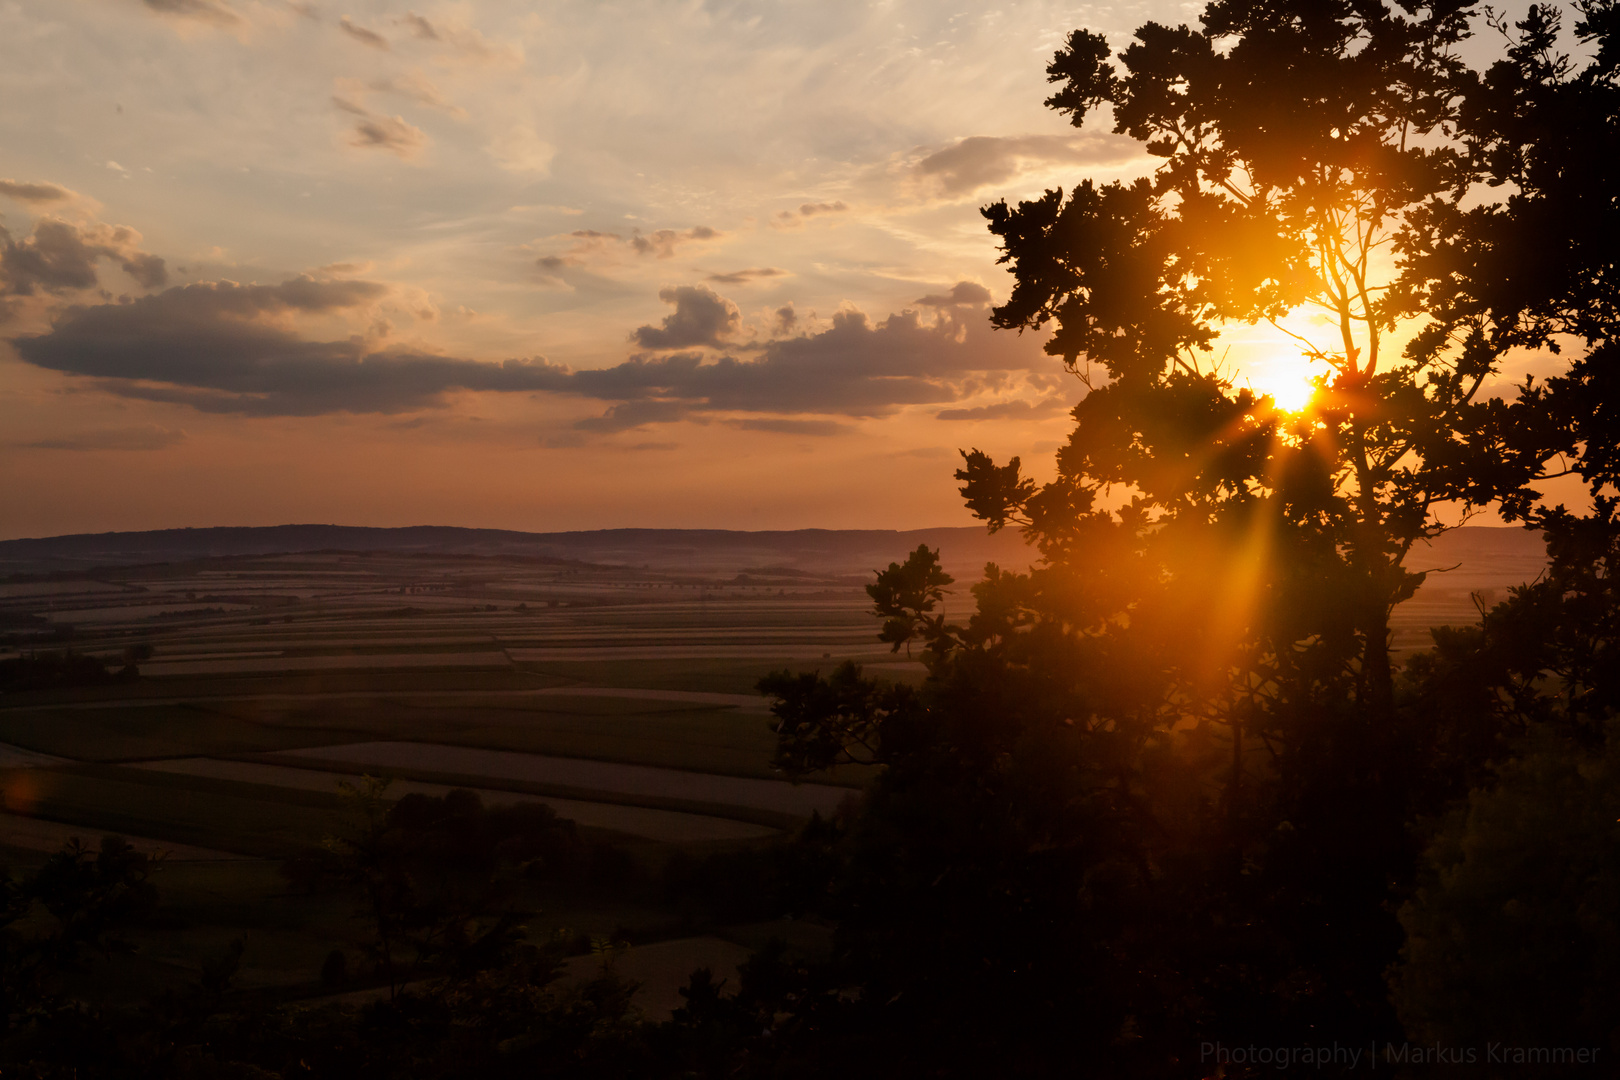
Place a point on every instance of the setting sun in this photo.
(1290, 386)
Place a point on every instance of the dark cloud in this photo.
(390, 133)
(787, 320)
(210, 11)
(1006, 410)
(743, 277)
(982, 159)
(36, 194)
(854, 368)
(223, 348)
(229, 348)
(701, 317)
(60, 256)
(369, 38)
(794, 427)
(150, 437)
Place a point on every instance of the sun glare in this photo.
(1288, 385)
(1291, 395)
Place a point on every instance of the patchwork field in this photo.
(621, 695)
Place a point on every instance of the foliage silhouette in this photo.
(1170, 781)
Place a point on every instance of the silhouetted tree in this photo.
(1166, 781)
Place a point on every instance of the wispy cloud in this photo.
(979, 161)
(38, 193)
(215, 12)
(745, 277)
(373, 131)
(1018, 409)
(369, 38)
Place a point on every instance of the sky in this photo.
(528, 265)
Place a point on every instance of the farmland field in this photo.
(619, 693)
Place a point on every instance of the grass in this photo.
(249, 819)
(140, 731)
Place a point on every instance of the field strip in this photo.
(698, 652)
(357, 662)
(193, 657)
(669, 826)
(775, 795)
(15, 757)
(128, 612)
(741, 702)
(36, 834)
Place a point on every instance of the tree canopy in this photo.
(1177, 752)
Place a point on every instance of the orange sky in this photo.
(544, 267)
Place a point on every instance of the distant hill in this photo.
(1473, 557)
(821, 551)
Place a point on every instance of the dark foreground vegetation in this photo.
(1166, 805)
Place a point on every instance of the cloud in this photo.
(419, 26)
(662, 242)
(416, 87)
(390, 133)
(855, 368)
(227, 348)
(981, 160)
(223, 347)
(1006, 410)
(369, 38)
(341, 269)
(464, 43)
(38, 194)
(701, 317)
(791, 218)
(148, 437)
(962, 294)
(635, 414)
(216, 12)
(743, 277)
(794, 427)
(786, 321)
(60, 256)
